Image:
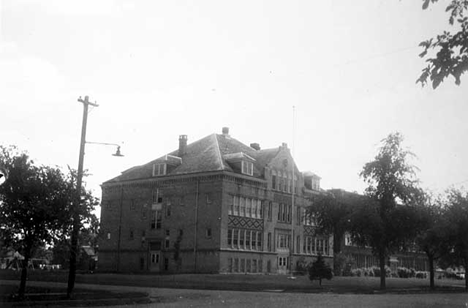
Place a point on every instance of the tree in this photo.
(385, 221)
(432, 235)
(457, 218)
(320, 270)
(88, 236)
(451, 49)
(332, 213)
(35, 205)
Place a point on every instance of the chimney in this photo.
(284, 145)
(182, 145)
(226, 131)
(255, 146)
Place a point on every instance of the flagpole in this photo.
(291, 250)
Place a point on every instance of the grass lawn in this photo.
(239, 282)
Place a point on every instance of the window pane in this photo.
(242, 206)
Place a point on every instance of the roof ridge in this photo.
(218, 151)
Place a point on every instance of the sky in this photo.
(329, 78)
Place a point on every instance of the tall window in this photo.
(284, 212)
(298, 215)
(242, 206)
(236, 205)
(247, 167)
(241, 238)
(248, 207)
(159, 169)
(235, 240)
(269, 242)
(259, 240)
(156, 219)
(231, 206)
(280, 181)
(273, 180)
(270, 211)
(247, 239)
(157, 198)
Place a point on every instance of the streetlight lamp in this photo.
(79, 180)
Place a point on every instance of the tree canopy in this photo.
(456, 213)
(447, 53)
(35, 205)
(320, 270)
(384, 222)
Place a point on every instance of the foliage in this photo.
(404, 272)
(36, 203)
(457, 217)
(386, 220)
(302, 266)
(332, 212)
(432, 234)
(88, 236)
(451, 49)
(320, 270)
(342, 264)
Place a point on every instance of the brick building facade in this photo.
(213, 206)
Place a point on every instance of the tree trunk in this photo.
(466, 277)
(382, 269)
(24, 274)
(320, 281)
(337, 238)
(430, 258)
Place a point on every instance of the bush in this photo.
(376, 271)
(302, 266)
(357, 272)
(342, 265)
(421, 275)
(320, 270)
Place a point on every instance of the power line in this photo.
(371, 57)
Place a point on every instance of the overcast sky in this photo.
(159, 69)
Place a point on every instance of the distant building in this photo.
(214, 206)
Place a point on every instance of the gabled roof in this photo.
(204, 155)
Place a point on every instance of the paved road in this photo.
(272, 299)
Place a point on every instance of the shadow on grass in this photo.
(251, 282)
(44, 296)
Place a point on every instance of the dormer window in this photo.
(159, 169)
(247, 167)
(240, 163)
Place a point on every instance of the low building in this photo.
(214, 206)
(362, 256)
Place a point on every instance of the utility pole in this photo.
(76, 215)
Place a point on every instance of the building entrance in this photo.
(155, 257)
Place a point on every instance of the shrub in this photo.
(320, 270)
(302, 266)
(421, 275)
(357, 272)
(404, 272)
(376, 271)
(342, 265)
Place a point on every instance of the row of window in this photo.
(244, 239)
(252, 240)
(282, 181)
(245, 207)
(236, 265)
(315, 246)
